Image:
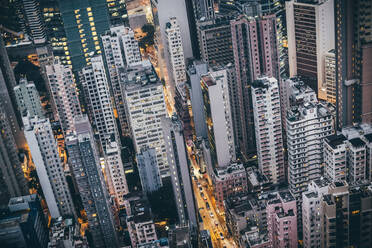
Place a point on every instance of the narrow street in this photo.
(212, 220)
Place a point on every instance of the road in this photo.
(214, 222)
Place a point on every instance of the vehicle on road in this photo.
(207, 205)
(211, 214)
(202, 194)
(221, 235)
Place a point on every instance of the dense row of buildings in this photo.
(271, 99)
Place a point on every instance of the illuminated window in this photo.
(90, 14)
(94, 33)
(96, 43)
(91, 24)
(95, 38)
(67, 53)
(77, 11)
(93, 28)
(89, 9)
(90, 19)
(78, 21)
(65, 48)
(97, 48)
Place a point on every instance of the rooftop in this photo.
(335, 140)
(140, 74)
(368, 137)
(357, 142)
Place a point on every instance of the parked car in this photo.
(207, 205)
(211, 214)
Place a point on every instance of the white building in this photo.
(28, 99)
(330, 75)
(176, 59)
(97, 95)
(268, 128)
(62, 88)
(148, 170)
(215, 91)
(310, 29)
(121, 50)
(50, 171)
(115, 174)
(307, 124)
(180, 171)
(335, 158)
(312, 212)
(145, 106)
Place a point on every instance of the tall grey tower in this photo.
(85, 166)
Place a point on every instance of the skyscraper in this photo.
(49, 168)
(217, 111)
(85, 166)
(28, 99)
(311, 34)
(115, 173)
(174, 50)
(180, 171)
(97, 94)
(353, 61)
(252, 58)
(121, 50)
(145, 106)
(12, 180)
(7, 97)
(84, 22)
(65, 101)
(268, 128)
(31, 21)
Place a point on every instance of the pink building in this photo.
(228, 181)
(282, 220)
(255, 52)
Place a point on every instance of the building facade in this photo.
(145, 106)
(85, 167)
(64, 94)
(49, 168)
(311, 34)
(268, 128)
(28, 99)
(148, 170)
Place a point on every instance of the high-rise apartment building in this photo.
(121, 50)
(194, 74)
(145, 106)
(164, 10)
(84, 22)
(335, 158)
(228, 181)
(12, 180)
(97, 94)
(353, 60)
(330, 76)
(268, 128)
(7, 97)
(148, 170)
(65, 100)
(85, 167)
(31, 20)
(118, 12)
(179, 169)
(215, 43)
(25, 226)
(307, 124)
(28, 99)
(335, 216)
(49, 168)
(311, 34)
(215, 91)
(281, 214)
(252, 58)
(116, 180)
(312, 227)
(174, 50)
